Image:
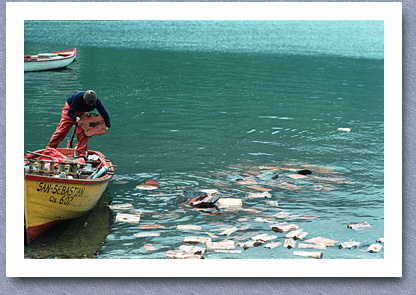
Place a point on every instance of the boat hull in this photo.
(61, 60)
(49, 200)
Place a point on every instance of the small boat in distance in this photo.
(58, 187)
(49, 61)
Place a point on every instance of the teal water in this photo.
(192, 102)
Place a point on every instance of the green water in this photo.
(193, 102)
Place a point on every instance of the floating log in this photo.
(283, 228)
(228, 251)
(228, 231)
(298, 234)
(297, 176)
(177, 254)
(259, 195)
(188, 227)
(316, 255)
(272, 245)
(246, 182)
(380, 240)
(229, 202)
(272, 203)
(120, 206)
(211, 235)
(320, 240)
(283, 215)
(128, 218)
(261, 219)
(263, 237)
(151, 226)
(150, 247)
(260, 188)
(192, 249)
(359, 225)
(349, 245)
(120, 182)
(196, 240)
(249, 244)
(311, 246)
(374, 248)
(146, 235)
(146, 187)
(289, 243)
(223, 245)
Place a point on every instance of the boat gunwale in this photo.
(46, 178)
(71, 54)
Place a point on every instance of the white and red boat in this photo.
(49, 61)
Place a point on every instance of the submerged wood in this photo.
(228, 251)
(295, 234)
(249, 244)
(380, 240)
(260, 188)
(316, 255)
(374, 248)
(150, 247)
(289, 243)
(147, 234)
(188, 227)
(229, 202)
(177, 254)
(272, 245)
(263, 237)
(211, 235)
(320, 240)
(259, 195)
(311, 246)
(128, 218)
(228, 232)
(349, 245)
(192, 249)
(196, 240)
(359, 225)
(283, 228)
(223, 245)
(151, 226)
(120, 206)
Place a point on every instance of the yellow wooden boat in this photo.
(59, 189)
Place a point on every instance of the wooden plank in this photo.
(272, 245)
(283, 228)
(229, 202)
(349, 245)
(289, 243)
(311, 246)
(320, 240)
(374, 248)
(127, 218)
(196, 240)
(316, 255)
(177, 254)
(188, 227)
(359, 225)
(260, 188)
(223, 245)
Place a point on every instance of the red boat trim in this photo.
(63, 55)
(32, 232)
(34, 177)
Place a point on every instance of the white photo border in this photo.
(390, 13)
